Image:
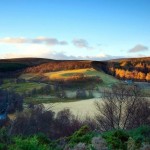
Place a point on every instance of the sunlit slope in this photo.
(65, 73)
(107, 79)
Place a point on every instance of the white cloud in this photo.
(38, 40)
(27, 50)
(43, 51)
(81, 43)
(138, 48)
(63, 56)
(13, 40)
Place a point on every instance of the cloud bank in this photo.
(78, 42)
(59, 56)
(38, 40)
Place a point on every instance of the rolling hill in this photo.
(32, 76)
(16, 67)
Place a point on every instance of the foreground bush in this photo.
(83, 135)
(116, 139)
(140, 135)
(82, 139)
(30, 143)
(98, 143)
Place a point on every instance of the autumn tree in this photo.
(148, 77)
(128, 75)
(141, 76)
(123, 107)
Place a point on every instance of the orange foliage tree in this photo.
(148, 77)
(141, 76)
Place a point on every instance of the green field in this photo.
(108, 80)
(47, 99)
(21, 87)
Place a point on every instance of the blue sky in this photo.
(74, 29)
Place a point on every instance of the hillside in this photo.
(45, 80)
(131, 59)
(16, 64)
(27, 61)
(59, 65)
(137, 69)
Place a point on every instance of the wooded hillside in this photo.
(137, 69)
(59, 65)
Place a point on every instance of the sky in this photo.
(74, 29)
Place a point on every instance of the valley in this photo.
(50, 81)
(51, 95)
(74, 75)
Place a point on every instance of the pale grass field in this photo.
(80, 108)
(29, 76)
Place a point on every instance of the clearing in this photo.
(108, 80)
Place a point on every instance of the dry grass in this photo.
(108, 80)
(80, 108)
(65, 73)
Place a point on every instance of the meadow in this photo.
(21, 88)
(107, 80)
(71, 89)
(81, 108)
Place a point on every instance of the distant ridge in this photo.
(27, 61)
(42, 65)
(26, 64)
(42, 60)
(130, 59)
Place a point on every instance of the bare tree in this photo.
(122, 107)
(37, 119)
(68, 122)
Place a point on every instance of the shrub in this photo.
(83, 135)
(2, 146)
(80, 146)
(131, 145)
(116, 139)
(140, 135)
(4, 138)
(82, 131)
(43, 139)
(99, 143)
(145, 147)
(30, 143)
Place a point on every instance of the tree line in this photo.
(60, 65)
(138, 69)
